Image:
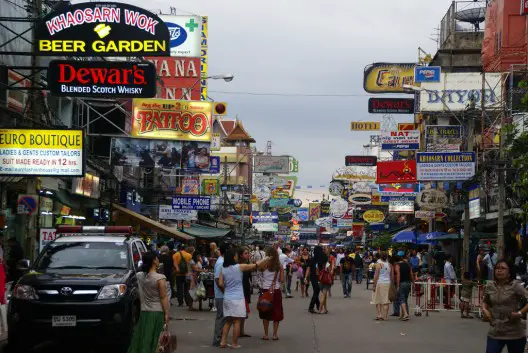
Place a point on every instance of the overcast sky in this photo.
(308, 47)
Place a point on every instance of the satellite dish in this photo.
(474, 16)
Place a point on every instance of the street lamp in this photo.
(225, 77)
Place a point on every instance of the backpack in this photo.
(182, 265)
(325, 277)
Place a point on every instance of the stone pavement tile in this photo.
(347, 327)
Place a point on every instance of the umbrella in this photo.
(405, 236)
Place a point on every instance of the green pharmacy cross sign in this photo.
(191, 25)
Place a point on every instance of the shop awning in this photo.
(205, 232)
(155, 226)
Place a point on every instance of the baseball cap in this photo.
(401, 253)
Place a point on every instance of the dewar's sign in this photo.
(117, 79)
(102, 29)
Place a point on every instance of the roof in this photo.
(93, 238)
(200, 231)
(155, 226)
(239, 134)
(227, 125)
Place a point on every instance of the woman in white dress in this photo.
(381, 287)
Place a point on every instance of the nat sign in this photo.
(101, 29)
(365, 161)
(391, 105)
(117, 79)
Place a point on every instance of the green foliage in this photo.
(382, 241)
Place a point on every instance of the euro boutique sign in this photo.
(102, 29)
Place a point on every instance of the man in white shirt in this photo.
(449, 270)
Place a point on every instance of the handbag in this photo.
(265, 300)
(393, 293)
(167, 342)
(325, 277)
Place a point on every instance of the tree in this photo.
(382, 241)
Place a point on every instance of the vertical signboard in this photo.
(204, 58)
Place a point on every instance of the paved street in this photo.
(349, 324)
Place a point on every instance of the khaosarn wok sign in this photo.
(101, 29)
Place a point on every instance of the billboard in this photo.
(391, 105)
(427, 74)
(109, 79)
(264, 217)
(101, 29)
(197, 203)
(455, 91)
(189, 155)
(400, 140)
(401, 206)
(271, 164)
(396, 172)
(314, 211)
(204, 57)
(185, 35)
(365, 126)
(172, 120)
(448, 166)
(365, 161)
(42, 152)
(167, 212)
(388, 78)
(178, 78)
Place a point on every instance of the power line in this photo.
(292, 94)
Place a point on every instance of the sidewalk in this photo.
(349, 324)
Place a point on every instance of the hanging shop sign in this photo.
(407, 126)
(294, 165)
(424, 214)
(216, 142)
(427, 74)
(449, 166)
(396, 172)
(374, 216)
(266, 227)
(264, 217)
(474, 201)
(325, 208)
(431, 199)
(204, 57)
(177, 77)
(401, 206)
(42, 152)
(280, 194)
(271, 164)
(362, 187)
(185, 35)
(269, 180)
(360, 199)
(314, 211)
(167, 212)
(211, 187)
(400, 140)
(391, 106)
(274, 203)
(335, 188)
(388, 78)
(407, 188)
(364, 161)
(190, 186)
(377, 201)
(101, 29)
(456, 91)
(303, 214)
(109, 79)
(214, 164)
(355, 174)
(198, 203)
(173, 120)
(365, 126)
(165, 154)
(443, 131)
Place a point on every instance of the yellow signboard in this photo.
(388, 78)
(365, 125)
(204, 57)
(41, 152)
(172, 120)
(373, 216)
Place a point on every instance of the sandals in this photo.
(275, 338)
(265, 338)
(245, 335)
(405, 318)
(234, 347)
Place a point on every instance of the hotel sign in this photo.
(102, 29)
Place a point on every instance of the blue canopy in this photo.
(409, 236)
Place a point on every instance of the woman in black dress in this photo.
(243, 256)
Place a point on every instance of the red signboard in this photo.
(357, 229)
(179, 77)
(407, 126)
(366, 161)
(396, 172)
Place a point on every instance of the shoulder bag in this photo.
(265, 300)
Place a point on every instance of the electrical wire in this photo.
(293, 94)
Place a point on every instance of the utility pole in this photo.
(223, 213)
(502, 193)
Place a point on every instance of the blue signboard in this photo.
(199, 203)
(214, 165)
(427, 74)
(303, 214)
(265, 217)
(439, 166)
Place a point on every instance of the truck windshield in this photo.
(83, 255)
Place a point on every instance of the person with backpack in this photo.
(182, 260)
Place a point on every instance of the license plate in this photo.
(64, 321)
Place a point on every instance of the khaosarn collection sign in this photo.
(446, 166)
(42, 152)
(101, 29)
(115, 79)
(172, 120)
